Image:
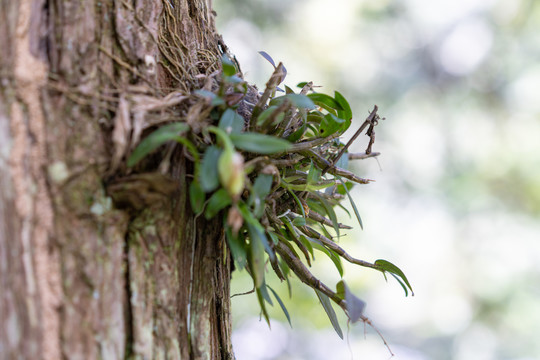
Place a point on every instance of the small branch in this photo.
(305, 275)
(333, 246)
(362, 156)
(348, 175)
(271, 85)
(244, 293)
(319, 160)
(306, 145)
(369, 120)
(319, 218)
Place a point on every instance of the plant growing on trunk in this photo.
(272, 167)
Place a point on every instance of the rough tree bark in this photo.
(95, 261)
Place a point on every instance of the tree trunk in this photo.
(97, 261)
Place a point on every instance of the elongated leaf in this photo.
(346, 113)
(156, 139)
(330, 253)
(300, 206)
(193, 152)
(308, 187)
(330, 212)
(400, 282)
(303, 239)
(265, 294)
(260, 143)
(288, 90)
(261, 189)
(298, 100)
(355, 306)
(273, 236)
(384, 265)
(297, 135)
(330, 125)
(228, 66)
(218, 201)
(327, 306)
(314, 174)
(266, 114)
(326, 101)
(265, 55)
(343, 161)
(282, 305)
(260, 297)
(231, 122)
(356, 213)
(215, 100)
(256, 257)
(255, 229)
(258, 234)
(208, 176)
(299, 221)
(238, 249)
(196, 197)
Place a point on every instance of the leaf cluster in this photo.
(275, 177)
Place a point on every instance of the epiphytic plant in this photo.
(273, 166)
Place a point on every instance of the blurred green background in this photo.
(456, 201)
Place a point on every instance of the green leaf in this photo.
(330, 253)
(261, 189)
(330, 125)
(297, 135)
(298, 100)
(218, 201)
(237, 246)
(346, 113)
(299, 221)
(384, 265)
(301, 84)
(327, 306)
(314, 174)
(329, 211)
(260, 297)
(255, 229)
(288, 90)
(234, 79)
(208, 176)
(304, 240)
(228, 66)
(273, 236)
(156, 139)
(282, 305)
(257, 233)
(197, 197)
(265, 294)
(356, 213)
(344, 186)
(300, 206)
(308, 187)
(256, 256)
(231, 122)
(266, 113)
(326, 101)
(192, 151)
(355, 306)
(215, 100)
(260, 143)
(343, 161)
(265, 55)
